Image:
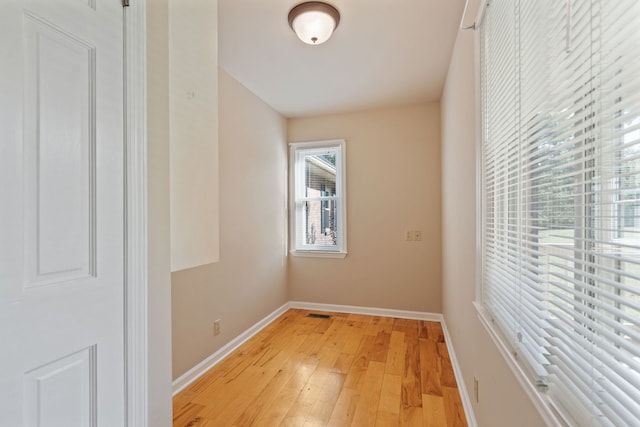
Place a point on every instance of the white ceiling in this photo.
(383, 53)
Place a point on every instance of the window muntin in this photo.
(318, 203)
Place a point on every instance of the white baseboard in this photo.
(462, 389)
(194, 373)
(370, 311)
(202, 367)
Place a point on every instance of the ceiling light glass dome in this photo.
(314, 21)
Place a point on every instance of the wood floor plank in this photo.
(407, 326)
(435, 331)
(447, 376)
(345, 407)
(385, 324)
(347, 370)
(293, 422)
(325, 399)
(183, 399)
(396, 339)
(240, 394)
(355, 331)
(312, 392)
(358, 369)
(359, 318)
(379, 324)
(453, 407)
(411, 388)
(423, 329)
(266, 398)
(275, 414)
(315, 340)
(342, 363)
(389, 406)
(411, 416)
(395, 360)
(433, 413)
(367, 409)
(189, 416)
(381, 347)
(430, 368)
(395, 356)
(333, 345)
(373, 326)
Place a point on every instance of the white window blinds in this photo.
(561, 198)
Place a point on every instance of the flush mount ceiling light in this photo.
(314, 21)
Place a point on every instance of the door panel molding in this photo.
(76, 374)
(60, 166)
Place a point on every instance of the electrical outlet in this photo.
(417, 235)
(409, 236)
(476, 388)
(216, 327)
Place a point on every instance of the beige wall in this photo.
(159, 278)
(393, 185)
(249, 281)
(502, 401)
(193, 47)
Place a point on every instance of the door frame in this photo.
(135, 193)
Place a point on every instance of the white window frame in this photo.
(297, 198)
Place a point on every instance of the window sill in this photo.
(318, 254)
(539, 400)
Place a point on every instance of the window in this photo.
(561, 201)
(318, 202)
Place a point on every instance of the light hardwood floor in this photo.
(348, 370)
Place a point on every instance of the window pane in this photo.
(321, 222)
(320, 175)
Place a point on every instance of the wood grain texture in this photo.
(433, 412)
(348, 370)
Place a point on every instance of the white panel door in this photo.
(61, 213)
